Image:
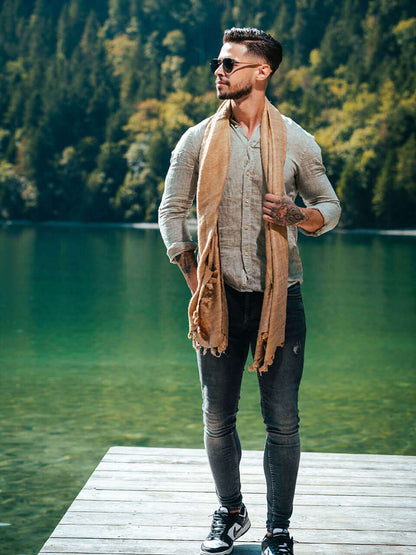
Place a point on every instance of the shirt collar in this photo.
(233, 122)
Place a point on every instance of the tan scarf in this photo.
(208, 313)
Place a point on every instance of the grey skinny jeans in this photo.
(221, 383)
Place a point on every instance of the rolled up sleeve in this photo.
(178, 196)
(315, 188)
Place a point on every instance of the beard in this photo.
(243, 91)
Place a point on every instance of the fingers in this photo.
(279, 210)
(268, 210)
(272, 198)
(268, 205)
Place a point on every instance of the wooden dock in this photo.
(159, 501)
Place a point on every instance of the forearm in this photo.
(312, 219)
(188, 266)
(316, 191)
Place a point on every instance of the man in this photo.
(246, 164)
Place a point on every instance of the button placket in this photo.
(247, 192)
(248, 246)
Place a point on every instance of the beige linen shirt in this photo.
(240, 215)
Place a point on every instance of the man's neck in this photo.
(248, 112)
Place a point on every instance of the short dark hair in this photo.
(258, 43)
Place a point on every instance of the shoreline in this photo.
(406, 232)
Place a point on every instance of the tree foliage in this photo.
(94, 95)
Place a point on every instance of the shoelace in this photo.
(219, 522)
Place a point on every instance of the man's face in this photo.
(239, 83)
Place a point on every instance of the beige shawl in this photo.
(208, 314)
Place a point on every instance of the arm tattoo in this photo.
(188, 266)
(288, 213)
(186, 261)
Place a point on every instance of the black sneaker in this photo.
(225, 528)
(279, 543)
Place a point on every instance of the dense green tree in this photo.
(118, 16)
(18, 197)
(94, 95)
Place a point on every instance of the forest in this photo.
(94, 95)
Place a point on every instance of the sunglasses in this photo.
(228, 64)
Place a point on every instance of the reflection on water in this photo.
(94, 353)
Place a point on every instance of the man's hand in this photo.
(283, 211)
(188, 265)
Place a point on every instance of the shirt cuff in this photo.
(330, 213)
(178, 248)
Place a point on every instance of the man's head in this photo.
(258, 43)
(247, 59)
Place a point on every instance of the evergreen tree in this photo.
(118, 16)
(95, 94)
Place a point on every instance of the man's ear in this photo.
(263, 72)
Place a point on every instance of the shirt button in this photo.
(246, 253)
(246, 227)
(246, 200)
(247, 172)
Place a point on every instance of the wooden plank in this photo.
(307, 459)
(160, 532)
(314, 460)
(140, 547)
(352, 487)
(203, 473)
(142, 453)
(258, 480)
(200, 453)
(164, 468)
(188, 548)
(255, 499)
(305, 517)
(407, 515)
(142, 501)
(407, 466)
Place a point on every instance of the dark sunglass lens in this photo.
(228, 65)
(214, 64)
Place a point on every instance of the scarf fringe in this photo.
(261, 366)
(215, 351)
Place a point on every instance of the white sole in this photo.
(218, 552)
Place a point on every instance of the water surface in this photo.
(94, 353)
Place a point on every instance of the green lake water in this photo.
(94, 353)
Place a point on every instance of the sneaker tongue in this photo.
(279, 531)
